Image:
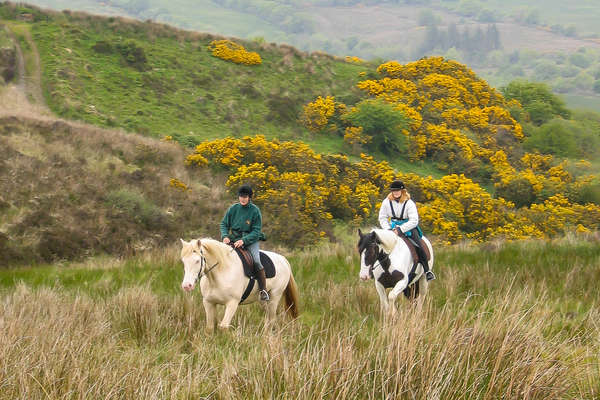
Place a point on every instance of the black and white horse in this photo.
(387, 258)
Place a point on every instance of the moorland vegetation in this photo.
(500, 162)
(509, 321)
(505, 319)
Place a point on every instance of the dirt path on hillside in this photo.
(24, 97)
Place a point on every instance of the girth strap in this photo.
(248, 290)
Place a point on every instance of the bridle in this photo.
(203, 263)
(382, 257)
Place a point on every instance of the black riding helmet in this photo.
(397, 185)
(245, 190)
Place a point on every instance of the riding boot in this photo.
(262, 284)
(429, 275)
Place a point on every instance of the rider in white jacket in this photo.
(399, 212)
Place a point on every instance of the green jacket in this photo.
(242, 222)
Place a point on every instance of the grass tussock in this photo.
(503, 335)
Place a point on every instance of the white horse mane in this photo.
(195, 244)
(388, 238)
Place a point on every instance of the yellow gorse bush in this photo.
(354, 60)
(354, 136)
(303, 191)
(316, 115)
(234, 52)
(455, 117)
(177, 184)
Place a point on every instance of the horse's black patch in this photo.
(389, 280)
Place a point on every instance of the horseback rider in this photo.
(241, 227)
(399, 213)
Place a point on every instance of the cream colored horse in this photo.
(222, 280)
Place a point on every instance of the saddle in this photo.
(412, 246)
(248, 263)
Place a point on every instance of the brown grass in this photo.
(138, 344)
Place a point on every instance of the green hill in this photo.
(176, 87)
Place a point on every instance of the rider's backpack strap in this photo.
(401, 212)
(403, 208)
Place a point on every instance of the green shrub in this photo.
(556, 137)
(137, 207)
(133, 54)
(383, 123)
(537, 99)
(102, 47)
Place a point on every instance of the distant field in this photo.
(591, 103)
(584, 14)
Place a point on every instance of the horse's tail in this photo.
(291, 297)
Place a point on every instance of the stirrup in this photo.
(429, 275)
(264, 295)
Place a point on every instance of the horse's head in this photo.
(192, 255)
(368, 248)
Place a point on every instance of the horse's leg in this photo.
(393, 294)
(423, 287)
(210, 310)
(271, 310)
(230, 308)
(383, 301)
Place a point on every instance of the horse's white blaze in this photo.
(364, 268)
(192, 263)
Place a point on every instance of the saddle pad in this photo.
(267, 263)
(248, 263)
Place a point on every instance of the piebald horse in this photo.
(222, 280)
(387, 258)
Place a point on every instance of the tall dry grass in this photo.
(522, 339)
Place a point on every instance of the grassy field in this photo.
(503, 320)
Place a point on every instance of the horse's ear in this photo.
(183, 242)
(360, 233)
(376, 238)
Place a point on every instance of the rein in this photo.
(202, 271)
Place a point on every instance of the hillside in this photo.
(480, 165)
(531, 35)
(70, 190)
(176, 87)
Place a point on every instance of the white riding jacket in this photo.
(410, 213)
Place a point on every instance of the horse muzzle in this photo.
(188, 287)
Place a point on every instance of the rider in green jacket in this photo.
(242, 226)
